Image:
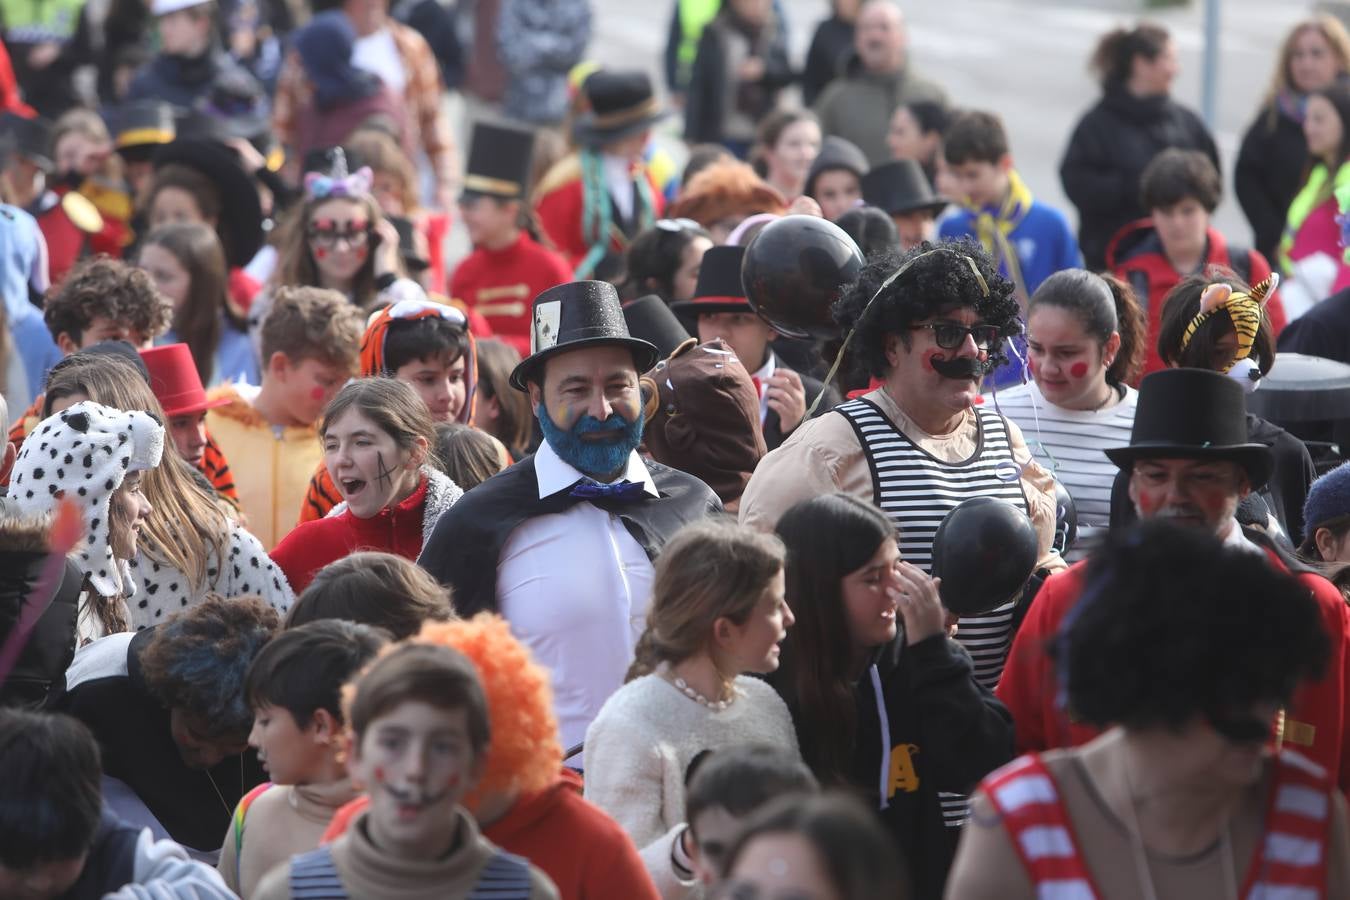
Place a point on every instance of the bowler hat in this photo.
(1193, 414)
(719, 288)
(175, 382)
(650, 319)
(575, 316)
(901, 187)
(622, 103)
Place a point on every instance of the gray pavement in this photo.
(1026, 59)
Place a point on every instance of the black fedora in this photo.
(29, 138)
(901, 187)
(574, 316)
(650, 319)
(719, 288)
(1193, 414)
(241, 218)
(622, 103)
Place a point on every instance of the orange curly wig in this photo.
(524, 754)
(723, 190)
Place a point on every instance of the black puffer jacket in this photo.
(38, 674)
(1270, 168)
(1107, 153)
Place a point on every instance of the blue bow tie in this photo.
(622, 490)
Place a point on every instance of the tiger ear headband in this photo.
(1243, 307)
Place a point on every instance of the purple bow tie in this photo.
(622, 490)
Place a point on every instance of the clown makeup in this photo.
(1067, 363)
(440, 382)
(416, 762)
(1196, 492)
(189, 436)
(338, 232)
(367, 465)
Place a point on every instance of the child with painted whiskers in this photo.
(294, 686)
(378, 440)
(419, 731)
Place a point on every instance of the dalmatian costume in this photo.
(84, 453)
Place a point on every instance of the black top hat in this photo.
(1193, 414)
(650, 319)
(241, 217)
(144, 124)
(29, 138)
(622, 103)
(901, 187)
(499, 161)
(574, 316)
(719, 287)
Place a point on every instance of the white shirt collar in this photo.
(554, 475)
(764, 373)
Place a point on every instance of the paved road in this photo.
(1026, 59)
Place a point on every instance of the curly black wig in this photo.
(935, 282)
(1173, 625)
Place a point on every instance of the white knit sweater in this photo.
(641, 743)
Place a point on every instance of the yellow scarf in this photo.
(994, 225)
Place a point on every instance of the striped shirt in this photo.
(1069, 443)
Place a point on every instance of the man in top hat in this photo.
(903, 191)
(142, 127)
(927, 326)
(593, 202)
(190, 57)
(561, 544)
(723, 312)
(507, 267)
(178, 387)
(1190, 460)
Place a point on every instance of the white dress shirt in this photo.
(575, 587)
(764, 373)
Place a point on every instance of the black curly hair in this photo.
(935, 282)
(1173, 625)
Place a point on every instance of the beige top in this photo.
(368, 873)
(988, 868)
(284, 820)
(823, 456)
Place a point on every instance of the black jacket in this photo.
(37, 674)
(946, 732)
(463, 550)
(830, 48)
(1322, 331)
(132, 729)
(773, 427)
(1269, 173)
(1108, 151)
(111, 864)
(182, 80)
(706, 110)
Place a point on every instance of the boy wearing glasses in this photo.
(507, 268)
(928, 325)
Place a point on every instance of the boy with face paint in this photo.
(419, 732)
(561, 544)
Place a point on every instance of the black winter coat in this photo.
(830, 49)
(706, 110)
(1107, 153)
(38, 673)
(1270, 168)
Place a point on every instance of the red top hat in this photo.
(174, 379)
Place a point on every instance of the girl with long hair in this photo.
(502, 411)
(1085, 344)
(787, 142)
(717, 612)
(379, 447)
(884, 702)
(188, 266)
(190, 543)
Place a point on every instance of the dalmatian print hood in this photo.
(84, 453)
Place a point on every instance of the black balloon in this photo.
(984, 552)
(1066, 519)
(794, 270)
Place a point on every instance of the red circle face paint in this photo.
(320, 253)
(1078, 369)
(316, 393)
(928, 361)
(361, 253)
(1034, 365)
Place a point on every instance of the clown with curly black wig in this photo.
(926, 326)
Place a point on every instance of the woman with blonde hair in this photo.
(189, 546)
(717, 611)
(1274, 153)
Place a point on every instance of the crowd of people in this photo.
(615, 557)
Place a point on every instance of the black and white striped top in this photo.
(917, 490)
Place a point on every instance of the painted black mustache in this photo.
(961, 368)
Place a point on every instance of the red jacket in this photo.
(312, 545)
(1135, 255)
(586, 853)
(1315, 720)
(501, 285)
(560, 205)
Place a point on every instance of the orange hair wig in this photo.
(725, 189)
(523, 754)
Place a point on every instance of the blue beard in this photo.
(598, 459)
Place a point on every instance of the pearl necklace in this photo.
(684, 688)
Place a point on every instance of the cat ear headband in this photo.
(338, 182)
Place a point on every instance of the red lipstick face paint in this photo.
(1078, 369)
